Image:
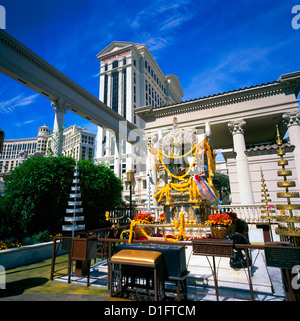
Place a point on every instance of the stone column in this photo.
(293, 123)
(117, 156)
(60, 108)
(239, 146)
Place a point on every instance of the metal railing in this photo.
(110, 238)
(248, 213)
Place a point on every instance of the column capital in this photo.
(291, 119)
(237, 127)
(60, 106)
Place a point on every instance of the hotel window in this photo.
(124, 92)
(83, 153)
(84, 139)
(115, 64)
(146, 64)
(124, 61)
(90, 153)
(134, 96)
(105, 89)
(105, 67)
(134, 62)
(115, 94)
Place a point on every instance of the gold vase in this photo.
(220, 231)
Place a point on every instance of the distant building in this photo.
(129, 78)
(15, 151)
(78, 143)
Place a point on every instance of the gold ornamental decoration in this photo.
(289, 219)
(267, 210)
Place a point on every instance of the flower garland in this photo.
(166, 168)
(140, 218)
(182, 226)
(181, 156)
(165, 190)
(182, 233)
(181, 187)
(132, 225)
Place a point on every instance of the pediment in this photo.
(113, 47)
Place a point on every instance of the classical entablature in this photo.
(238, 119)
(261, 106)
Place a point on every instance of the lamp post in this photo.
(130, 180)
(2, 134)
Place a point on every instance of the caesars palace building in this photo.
(131, 78)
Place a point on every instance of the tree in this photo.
(37, 194)
(222, 184)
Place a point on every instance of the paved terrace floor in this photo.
(32, 283)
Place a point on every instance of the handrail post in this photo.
(53, 258)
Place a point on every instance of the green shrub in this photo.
(37, 194)
(42, 237)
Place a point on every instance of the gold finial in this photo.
(279, 140)
(175, 122)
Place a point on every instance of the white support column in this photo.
(243, 173)
(100, 147)
(117, 156)
(60, 108)
(293, 123)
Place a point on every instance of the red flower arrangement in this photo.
(144, 218)
(219, 219)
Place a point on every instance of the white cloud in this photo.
(160, 19)
(24, 123)
(175, 21)
(8, 106)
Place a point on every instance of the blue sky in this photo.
(212, 46)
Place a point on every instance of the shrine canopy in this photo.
(185, 164)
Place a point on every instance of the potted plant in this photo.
(220, 225)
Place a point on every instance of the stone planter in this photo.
(14, 257)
